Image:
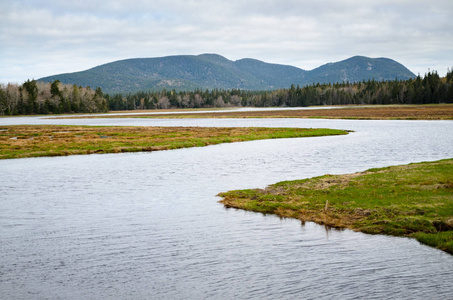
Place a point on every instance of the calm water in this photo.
(148, 225)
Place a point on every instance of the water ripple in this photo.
(148, 225)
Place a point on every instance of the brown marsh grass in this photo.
(388, 112)
(49, 140)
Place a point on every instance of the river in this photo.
(148, 225)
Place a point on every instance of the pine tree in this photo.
(31, 88)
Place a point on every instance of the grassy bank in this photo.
(414, 200)
(48, 140)
(381, 112)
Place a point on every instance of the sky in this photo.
(46, 37)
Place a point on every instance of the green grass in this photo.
(414, 200)
(47, 140)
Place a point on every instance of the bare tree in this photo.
(235, 100)
(219, 102)
(163, 103)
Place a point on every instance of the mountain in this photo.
(358, 68)
(209, 71)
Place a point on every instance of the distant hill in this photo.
(358, 68)
(209, 71)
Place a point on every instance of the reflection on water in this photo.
(148, 225)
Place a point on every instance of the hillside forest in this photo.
(34, 97)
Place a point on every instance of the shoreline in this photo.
(21, 141)
(412, 200)
(366, 112)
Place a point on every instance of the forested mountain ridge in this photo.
(34, 97)
(354, 69)
(212, 71)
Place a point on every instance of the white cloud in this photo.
(40, 38)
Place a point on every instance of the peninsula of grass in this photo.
(414, 200)
(48, 140)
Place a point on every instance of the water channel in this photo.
(148, 225)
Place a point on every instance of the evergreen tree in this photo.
(3, 103)
(54, 88)
(32, 95)
(449, 75)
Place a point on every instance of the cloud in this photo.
(41, 38)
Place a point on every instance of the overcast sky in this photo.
(46, 37)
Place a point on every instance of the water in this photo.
(148, 225)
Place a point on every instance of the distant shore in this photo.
(414, 200)
(366, 112)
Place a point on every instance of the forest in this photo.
(34, 97)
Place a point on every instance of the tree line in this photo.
(429, 89)
(42, 98)
(34, 97)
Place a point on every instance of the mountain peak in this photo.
(359, 68)
(213, 56)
